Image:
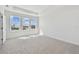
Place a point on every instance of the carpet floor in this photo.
(38, 45)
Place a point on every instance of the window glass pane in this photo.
(15, 22)
(33, 23)
(25, 23)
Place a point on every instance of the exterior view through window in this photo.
(33, 23)
(15, 22)
(25, 23)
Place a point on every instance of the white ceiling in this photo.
(35, 8)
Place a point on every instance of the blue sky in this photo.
(26, 21)
(34, 21)
(16, 20)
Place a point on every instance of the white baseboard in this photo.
(63, 40)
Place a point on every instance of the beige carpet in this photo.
(38, 45)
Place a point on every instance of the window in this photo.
(25, 23)
(15, 22)
(33, 23)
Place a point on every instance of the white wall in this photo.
(61, 22)
(1, 25)
(1, 32)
